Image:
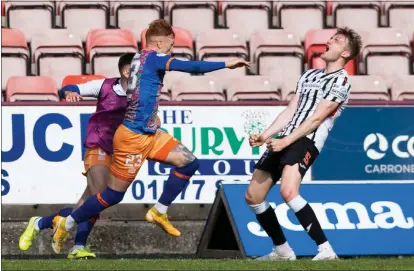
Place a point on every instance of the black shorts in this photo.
(302, 152)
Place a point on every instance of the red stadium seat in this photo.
(368, 87)
(80, 79)
(170, 79)
(300, 16)
(30, 17)
(245, 18)
(197, 88)
(368, 14)
(253, 88)
(57, 53)
(387, 52)
(315, 45)
(81, 16)
(31, 88)
(105, 46)
(183, 43)
(136, 15)
(14, 55)
(402, 89)
(222, 45)
(400, 14)
(277, 52)
(196, 16)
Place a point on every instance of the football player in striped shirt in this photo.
(303, 127)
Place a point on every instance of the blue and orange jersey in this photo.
(144, 86)
(145, 82)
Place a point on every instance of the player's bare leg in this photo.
(289, 189)
(186, 164)
(255, 197)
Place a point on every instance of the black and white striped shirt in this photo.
(313, 86)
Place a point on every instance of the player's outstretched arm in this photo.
(205, 66)
(74, 93)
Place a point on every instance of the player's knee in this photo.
(251, 197)
(189, 168)
(288, 193)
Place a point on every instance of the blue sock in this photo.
(177, 181)
(83, 231)
(47, 221)
(96, 204)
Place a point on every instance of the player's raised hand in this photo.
(237, 63)
(72, 97)
(256, 140)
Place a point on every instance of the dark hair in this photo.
(158, 28)
(125, 59)
(354, 41)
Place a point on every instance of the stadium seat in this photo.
(402, 89)
(31, 88)
(300, 16)
(81, 16)
(30, 17)
(14, 55)
(57, 53)
(105, 46)
(253, 88)
(222, 45)
(245, 18)
(183, 43)
(197, 88)
(195, 16)
(289, 87)
(170, 78)
(400, 14)
(81, 79)
(387, 53)
(368, 87)
(368, 14)
(276, 52)
(135, 15)
(315, 45)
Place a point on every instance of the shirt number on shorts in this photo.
(307, 157)
(133, 160)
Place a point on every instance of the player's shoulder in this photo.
(310, 72)
(342, 78)
(93, 83)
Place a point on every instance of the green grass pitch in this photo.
(195, 264)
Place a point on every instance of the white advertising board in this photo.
(42, 151)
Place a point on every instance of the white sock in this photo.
(325, 245)
(297, 203)
(36, 224)
(284, 248)
(70, 223)
(259, 208)
(161, 208)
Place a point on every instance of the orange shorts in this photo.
(131, 150)
(96, 156)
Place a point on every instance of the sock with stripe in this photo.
(83, 231)
(307, 219)
(176, 183)
(93, 206)
(47, 221)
